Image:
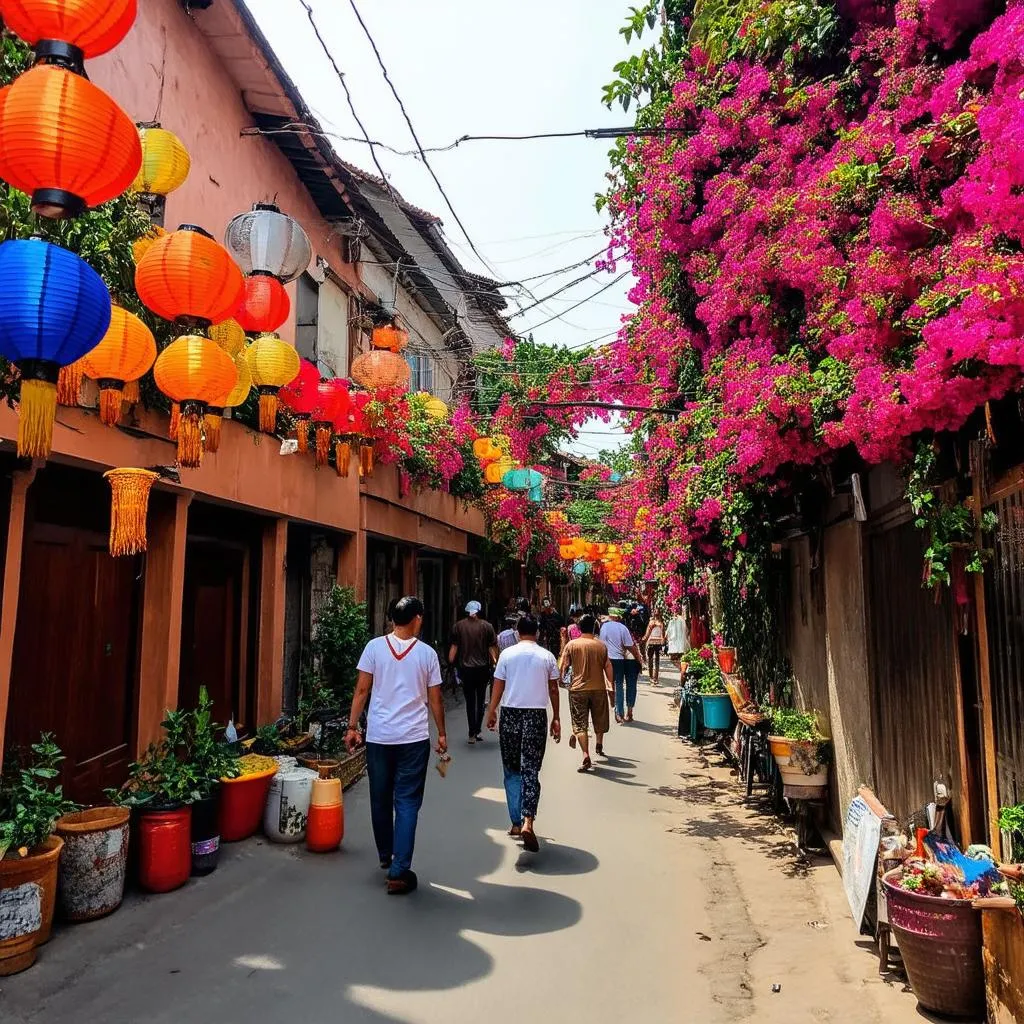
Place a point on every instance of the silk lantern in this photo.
(300, 398)
(55, 308)
(195, 372)
(273, 364)
(522, 479)
(125, 353)
(165, 166)
(391, 338)
(332, 403)
(486, 450)
(186, 277)
(88, 28)
(264, 305)
(129, 503)
(381, 370)
(65, 142)
(229, 335)
(267, 241)
(214, 419)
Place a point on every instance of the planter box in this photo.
(1003, 956)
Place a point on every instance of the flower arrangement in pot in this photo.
(31, 801)
(801, 750)
(708, 681)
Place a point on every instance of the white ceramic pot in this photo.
(287, 808)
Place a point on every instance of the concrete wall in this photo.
(805, 628)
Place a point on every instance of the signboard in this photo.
(861, 835)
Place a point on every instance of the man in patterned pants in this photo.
(525, 681)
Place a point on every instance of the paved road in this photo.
(631, 912)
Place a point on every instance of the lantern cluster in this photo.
(384, 368)
(300, 398)
(69, 147)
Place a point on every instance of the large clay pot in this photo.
(94, 862)
(28, 894)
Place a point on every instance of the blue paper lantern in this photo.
(581, 568)
(522, 479)
(55, 308)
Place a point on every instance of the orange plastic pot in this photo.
(165, 849)
(241, 804)
(325, 827)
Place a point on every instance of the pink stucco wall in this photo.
(203, 106)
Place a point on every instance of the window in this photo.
(332, 335)
(422, 367)
(307, 317)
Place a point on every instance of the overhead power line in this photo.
(582, 302)
(557, 291)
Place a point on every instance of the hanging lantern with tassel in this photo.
(195, 372)
(229, 335)
(125, 353)
(165, 166)
(359, 426)
(300, 398)
(174, 421)
(267, 241)
(381, 370)
(273, 364)
(129, 503)
(131, 394)
(65, 142)
(69, 384)
(235, 397)
(264, 305)
(332, 405)
(55, 308)
(87, 28)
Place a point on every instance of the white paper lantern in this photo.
(267, 241)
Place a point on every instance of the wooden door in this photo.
(211, 629)
(74, 665)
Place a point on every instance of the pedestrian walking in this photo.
(525, 682)
(620, 643)
(654, 641)
(677, 636)
(474, 651)
(508, 637)
(402, 679)
(550, 627)
(591, 691)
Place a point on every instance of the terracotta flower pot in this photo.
(94, 862)
(28, 894)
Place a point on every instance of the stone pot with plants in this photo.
(801, 750)
(31, 801)
(708, 681)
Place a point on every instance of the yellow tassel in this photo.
(129, 502)
(268, 412)
(302, 433)
(131, 395)
(110, 406)
(69, 384)
(342, 457)
(213, 430)
(190, 439)
(37, 411)
(323, 444)
(366, 460)
(173, 426)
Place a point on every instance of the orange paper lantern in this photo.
(264, 305)
(187, 277)
(195, 372)
(91, 26)
(381, 370)
(143, 244)
(392, 338)
(65, 142)
(273, 364)
(126, 352)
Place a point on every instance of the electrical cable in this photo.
(558, 291)
(582, 302)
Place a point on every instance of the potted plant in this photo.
(31, 801)
(801, 751)
(94, 861)
(709, 683)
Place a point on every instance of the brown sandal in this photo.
(515, 831)
(530, 842)
(586, 766)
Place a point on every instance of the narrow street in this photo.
(656, 897)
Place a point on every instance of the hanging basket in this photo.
(129, 503)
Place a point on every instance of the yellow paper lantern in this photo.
(235, 397)
(434, 407)
(273, 363)
(165, 163)
(229, 335)
(144, 243)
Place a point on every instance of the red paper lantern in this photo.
(332, 403)
(301, 397)
(264, 305)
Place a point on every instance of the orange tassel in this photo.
(130, 394)
(268, 411)
(323, 443)
(69, 384)
(342, 457)
(129, 503)
(302, 433)
(110, 406)
(190, 437)
(213, 431)
(173, 426)
(366, 460)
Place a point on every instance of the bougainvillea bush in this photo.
(827, 244)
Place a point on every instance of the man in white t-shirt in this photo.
(525, 681)
(402, 678)
(620, 642)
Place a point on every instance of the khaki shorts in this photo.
(592, 702)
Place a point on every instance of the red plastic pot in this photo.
(727, 659)
(242, 802)
(165, 849)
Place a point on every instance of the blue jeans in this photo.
(625, 673)
(398, 776)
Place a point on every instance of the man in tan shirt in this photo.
(590, 692)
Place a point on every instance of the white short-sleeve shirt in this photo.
(617, 638)
(526, 670)
(403, 671)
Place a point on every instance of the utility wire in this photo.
(582, 302)
(412, 131)
(558, 291)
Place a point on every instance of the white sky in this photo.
(481, 67)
